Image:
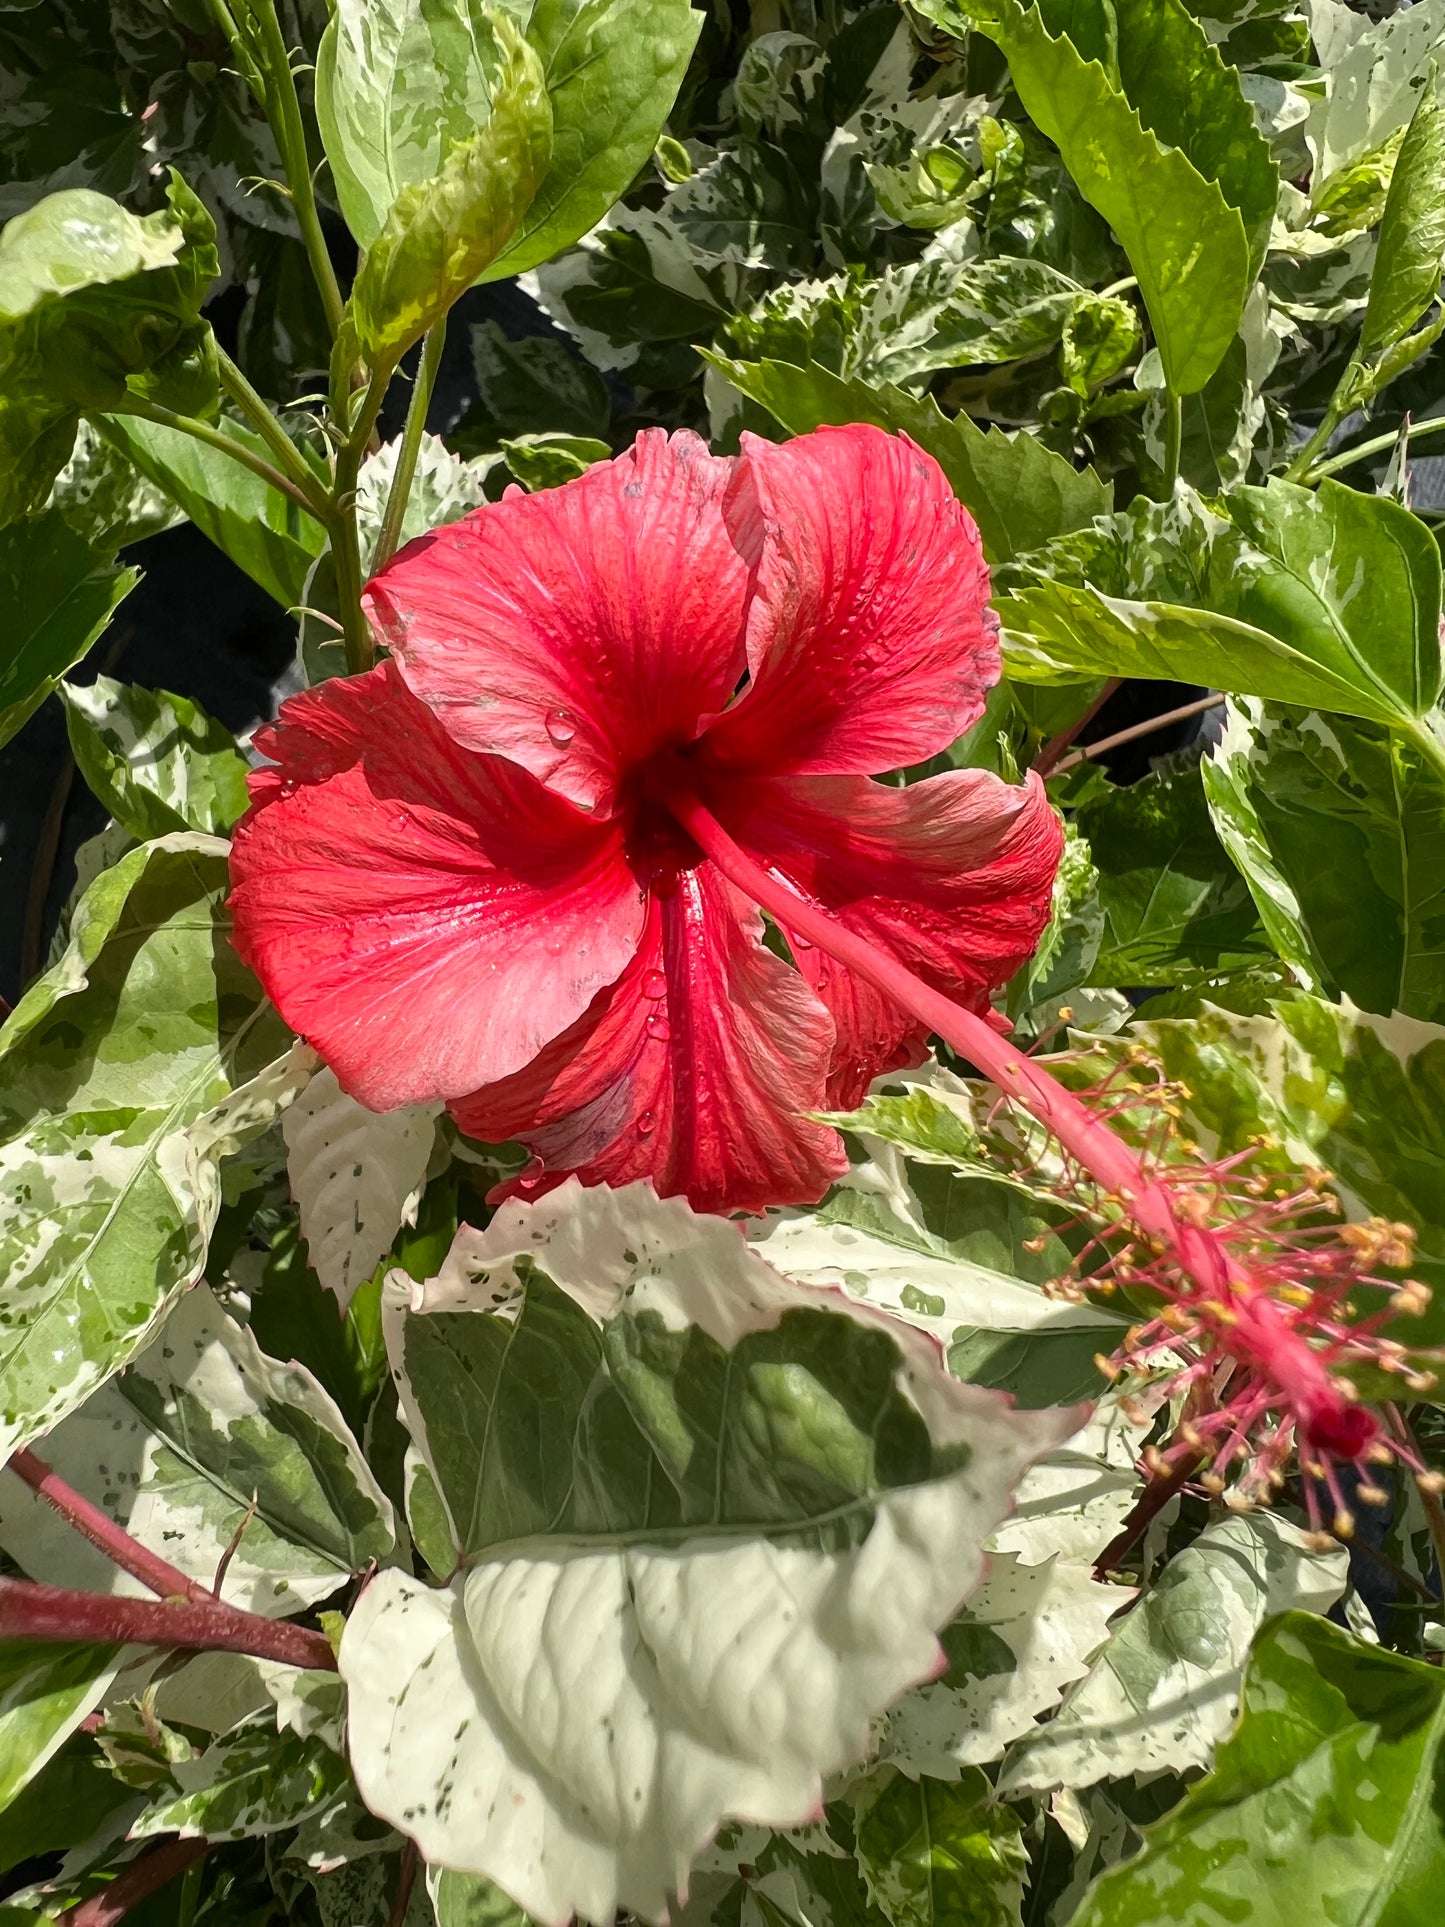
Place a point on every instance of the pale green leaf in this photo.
(1321, 1807)
(1412, 233)
(157, 762)
(123, 1077)
(356, 1176)
(251, 1782)
(1165, 1688)
(750, 1506)
(939, 1854)
(180, 1447)
(440, 232)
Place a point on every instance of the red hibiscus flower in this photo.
(461, 879)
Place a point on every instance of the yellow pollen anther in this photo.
(1372, 1495)
(1344, 1524)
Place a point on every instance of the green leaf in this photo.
(45, 1692)
(532, 387)
(1164, 146)
(1339, 827)
(612, 68)
(156, 761)
(178, 1449)
(641, 1431)
(1020, 493)
(251, 1782)
(1265, 603)
(356, 1176)
(262, 531)
(1180, 1654)
(547, 461)
(1325, 1804)
(59, 596)
(398, 84)
(1175, 908)
(97, 304)
(935, 1854)
(123, 1077)
(104, 497)
(64, 1804)
(441, 232)
(1412, 233)
(462, 1900)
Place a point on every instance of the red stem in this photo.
(1259, 1326)
(114, 1541)
(140, 1880)
(1047, 759)
(1147, 1507)
(53, 1613)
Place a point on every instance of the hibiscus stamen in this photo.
(1254, 1325)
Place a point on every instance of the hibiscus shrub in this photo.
(668, 1254)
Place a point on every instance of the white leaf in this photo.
(711, 1520)
(356, 1175)
(1027, 1633)
(1165, 1689)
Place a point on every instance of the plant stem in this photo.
(1054, 748)
(1303, 462)
(345, 540)
(284, 113)
(138, 1882)
(1146, 1509)
(290, 459)
(1137, 730)
(406, 455)
(405, 1881)
(52, 1613)
(1375, 446)
(238, 451)
(1173, 439)
(114, 1541)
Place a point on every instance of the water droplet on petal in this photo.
(646, 1123)
(654, 985)
(658, 1027)
(820, 982)
(665, 880)
(800, 943)
(532, 1173)
(561, 726)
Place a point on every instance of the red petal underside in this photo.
(696, 1070)
(578, 630)
(428, 919)
(952, 875)
(868, 638)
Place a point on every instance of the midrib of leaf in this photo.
(222, 1060)
(538, 1545)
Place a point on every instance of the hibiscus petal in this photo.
(952, 875)
(578, 630)
(427, 918)
(869, 637)
(695, 1070)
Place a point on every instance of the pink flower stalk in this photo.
(519, 867)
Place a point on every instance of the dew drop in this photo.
(561, 726)
(800, 943)
(658, 1027)
(531, 1175)
(646, 1123)
(665, 880)
(654, 985)
(820, 982)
